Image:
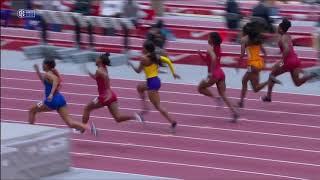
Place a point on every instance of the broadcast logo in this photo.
(25, 13)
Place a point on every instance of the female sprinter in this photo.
(106, 96)
(252, 43)
(289, 63)
(215, 72)
(54, 99)
(150, 64)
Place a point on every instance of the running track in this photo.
(280, 140)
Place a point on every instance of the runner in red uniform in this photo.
(106, 96)
(290, 61)
(215, 72)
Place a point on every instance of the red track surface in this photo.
(280, 140)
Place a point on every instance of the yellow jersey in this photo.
(153, 69)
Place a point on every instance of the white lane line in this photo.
(172, 136)
(175, 83)
(217, 117)
(162, 91)
(181, 164)
(198, 152)
(193, 151)
(259, 110)
(187, 165)
(200, 127)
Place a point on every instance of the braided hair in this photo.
(252, 30)
(150, 47)
(285, 25)
(215, 38)
(105, 59)
(51, 64)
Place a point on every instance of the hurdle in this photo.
(103, 22)
(76, 54)
(43, 49)
(72, 19)
(90, 54)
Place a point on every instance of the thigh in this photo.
(295, 73)
(278, 69)
(114, 109)
(246, 77)
(254, 77)
(221, 86)
(64, 114)
(94, 104)
(206, 83)
(154, 97)
(142, 87)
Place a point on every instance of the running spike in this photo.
(235, 118)
(173, 127)
(94, 130)
(265, 99)
(139, 117)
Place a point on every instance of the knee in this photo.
(298, 84)
(139, 89)
(271, 76)
(32, 110)
(200, 89)
(87, 108)
(117, 118)
(255, 89)
(244, 82)
(32, 113)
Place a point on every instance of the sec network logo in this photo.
(26, 13)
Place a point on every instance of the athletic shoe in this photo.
(235, 118)
(240, 104)
(173, 127)
(76, 131)
(265, 99)
(94, 130)
(139, 117)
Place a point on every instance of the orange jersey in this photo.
(254, 58)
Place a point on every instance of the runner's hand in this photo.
(50, 97)
(36, 67)
(176, 76)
